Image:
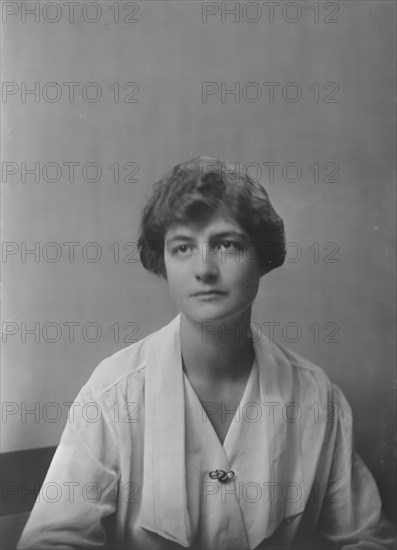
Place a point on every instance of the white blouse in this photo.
(132, 470)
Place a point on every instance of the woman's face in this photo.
(211, 275)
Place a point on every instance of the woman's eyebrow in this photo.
(214, 236)
(179, 238)
(229, 233)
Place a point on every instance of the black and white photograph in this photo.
(198, 325)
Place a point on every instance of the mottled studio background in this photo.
(342, 287)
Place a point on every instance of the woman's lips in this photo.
(209, 293)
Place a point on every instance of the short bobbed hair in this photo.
(202, 186)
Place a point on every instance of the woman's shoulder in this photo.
(305, 373)
(299, 362)
(125, 366)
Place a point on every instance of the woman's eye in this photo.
(230, 244)
(183, 249)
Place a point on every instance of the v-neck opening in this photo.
(205, 417)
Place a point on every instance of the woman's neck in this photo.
(217, 351)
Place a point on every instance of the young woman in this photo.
(200, 435)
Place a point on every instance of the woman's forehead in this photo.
(213, 223)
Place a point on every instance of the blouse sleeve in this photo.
(352, 519)
(80, 488)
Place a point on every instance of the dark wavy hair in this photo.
(199, 187)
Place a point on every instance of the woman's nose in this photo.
(206, 267)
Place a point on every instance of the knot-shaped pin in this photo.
(222, 475)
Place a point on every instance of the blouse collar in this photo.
(164, 505)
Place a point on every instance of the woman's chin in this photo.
(208, 314)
